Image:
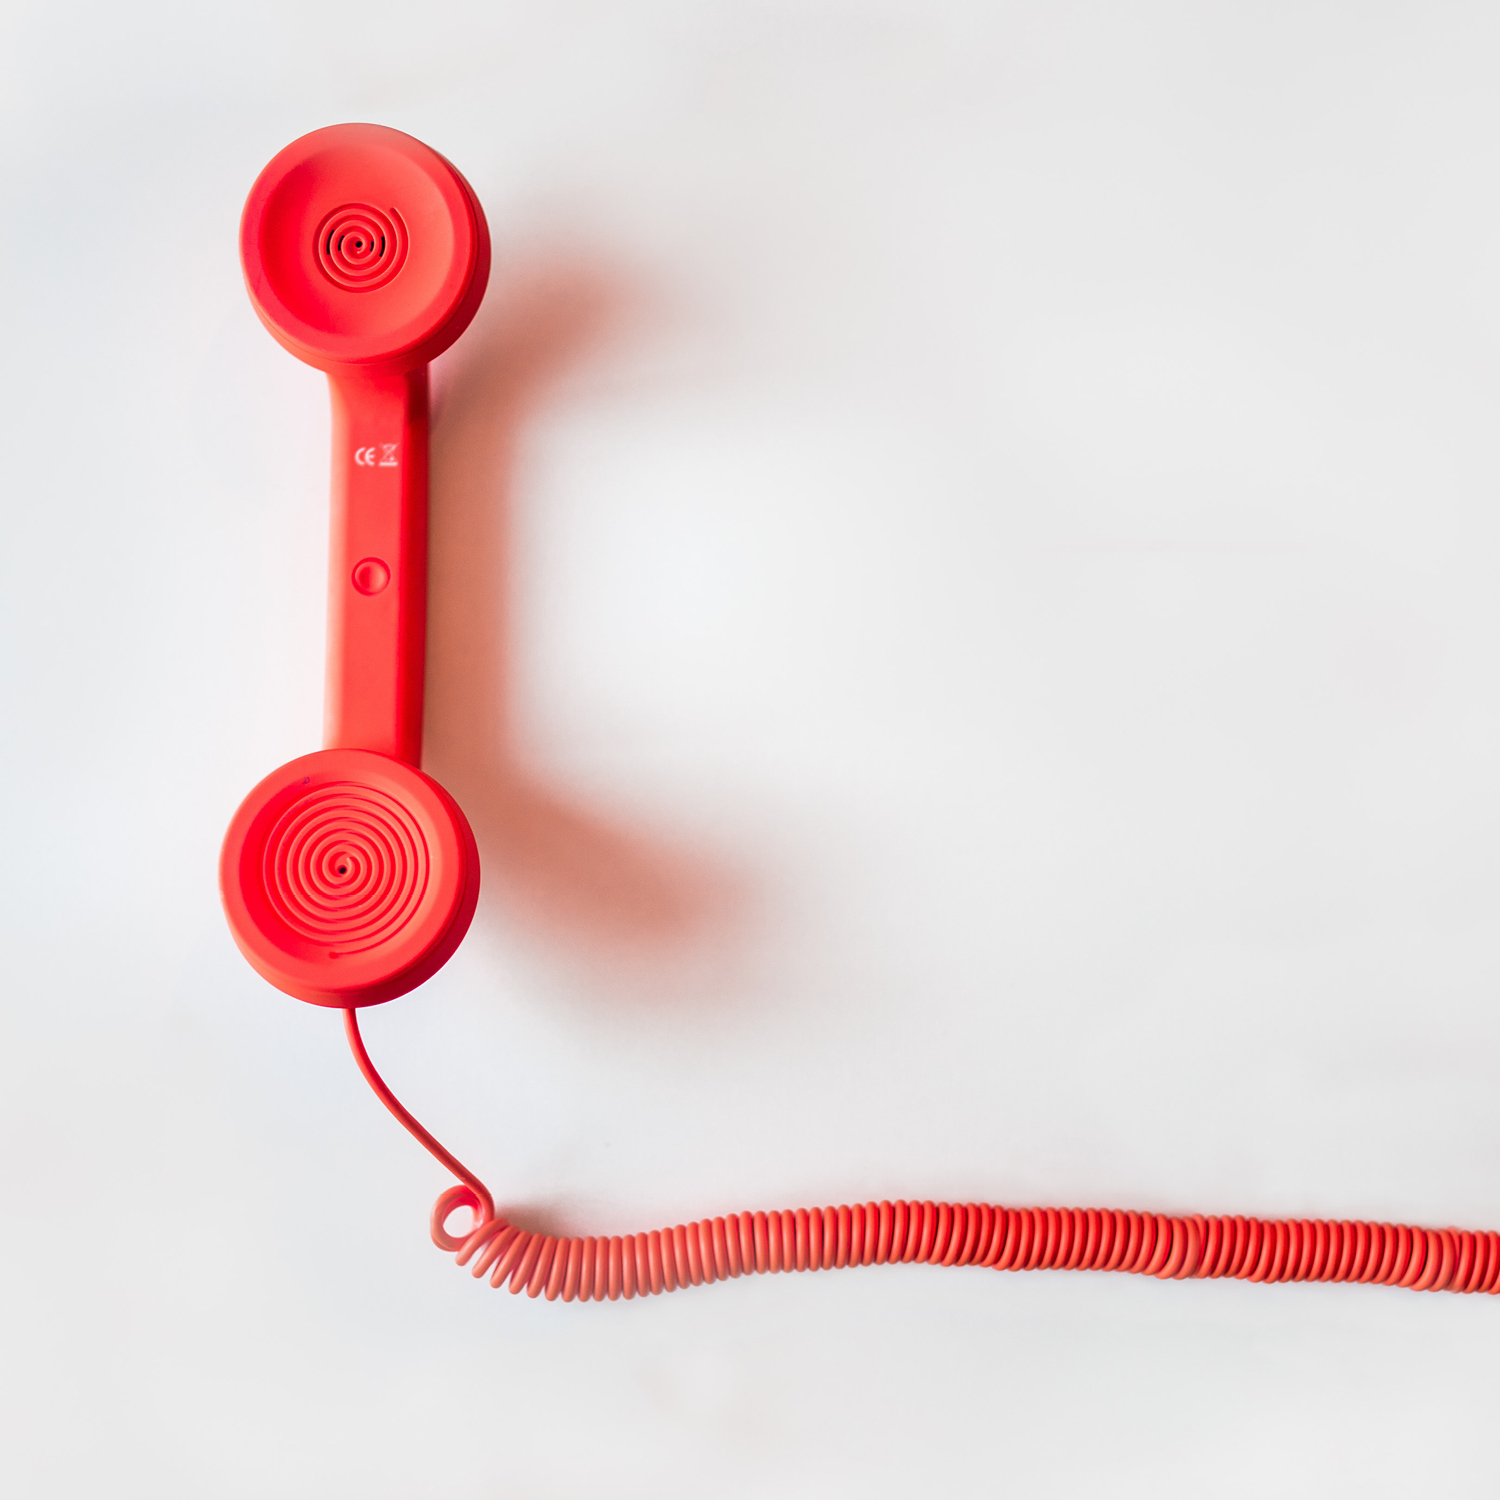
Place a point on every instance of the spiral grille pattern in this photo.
(968, 1234)
(360, 248)
(346, 866)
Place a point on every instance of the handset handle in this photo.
(349, 876)
(377, 564)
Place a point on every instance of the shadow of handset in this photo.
(567, 872)
(350, 875)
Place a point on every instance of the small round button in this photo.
(371, 575)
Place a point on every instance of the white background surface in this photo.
(965, 618)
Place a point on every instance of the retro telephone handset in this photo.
(349, 876)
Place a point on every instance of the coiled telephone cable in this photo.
(598, 1268)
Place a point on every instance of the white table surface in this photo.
(964, 616)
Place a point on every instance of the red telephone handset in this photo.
(348, 875)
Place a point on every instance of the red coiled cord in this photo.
(940, 1234)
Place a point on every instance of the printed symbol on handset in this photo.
(365, 457)
(388, 455)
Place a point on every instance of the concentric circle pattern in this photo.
(360, 248)
(348, 877)
(346, 866)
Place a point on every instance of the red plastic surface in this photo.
(349, 877)
(365, 249)
(377, 564)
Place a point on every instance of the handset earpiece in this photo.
(349, 876)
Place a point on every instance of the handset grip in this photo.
(377, 564)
